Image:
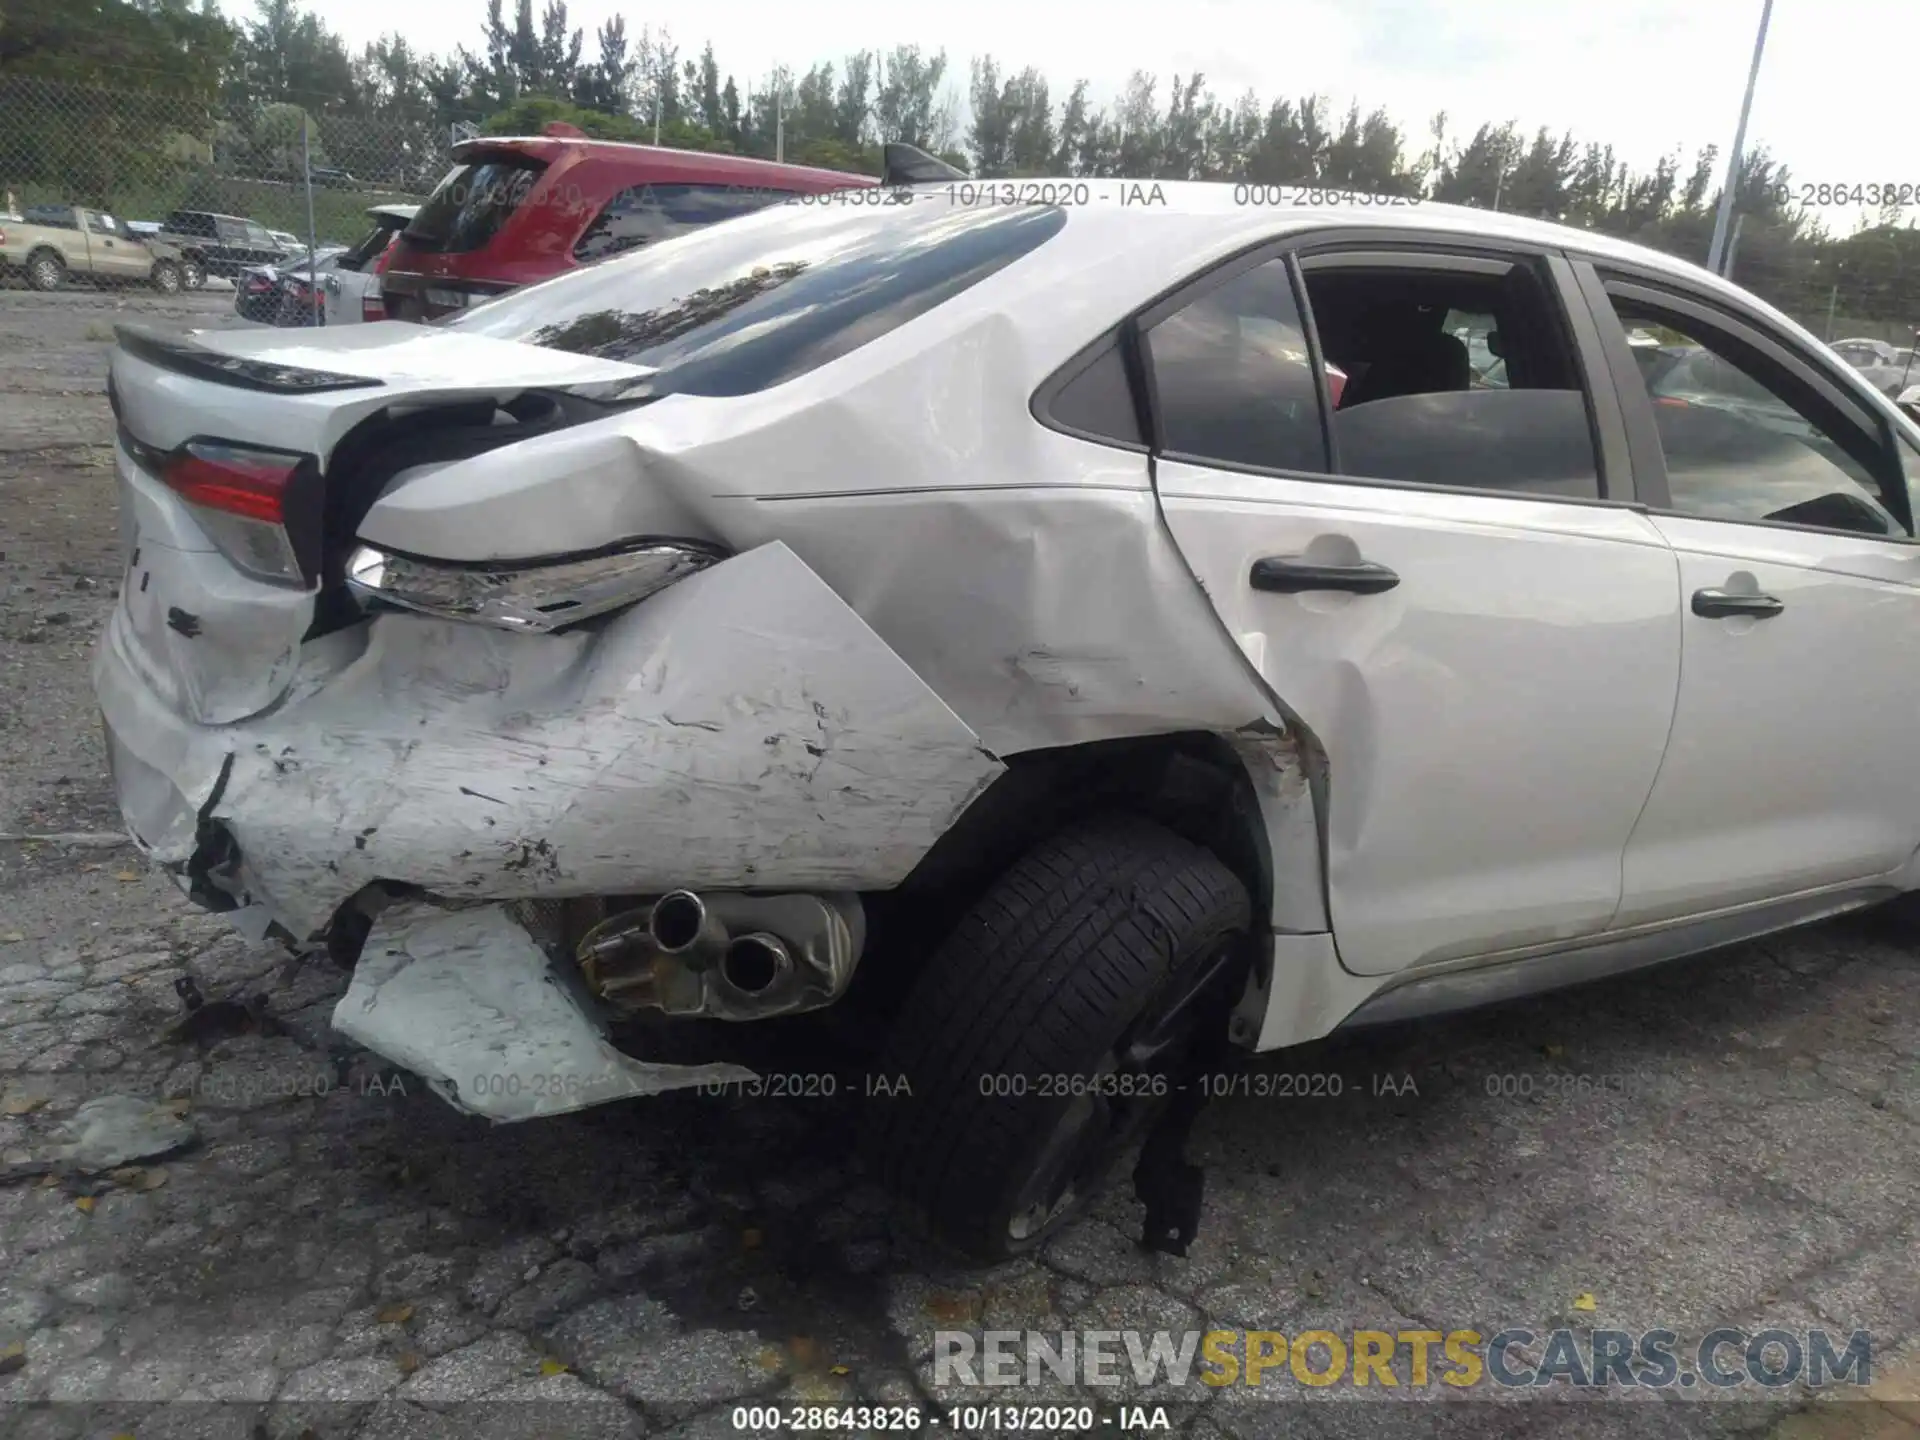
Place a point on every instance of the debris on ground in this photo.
(115, 1130)
(209, 1021)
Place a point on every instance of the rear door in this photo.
(1446, 583)
(1781, 490)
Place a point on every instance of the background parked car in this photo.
(1887, 368)
(303, 286)
(214, 244)
(259, 293)
(341, 287)
(52, 244)
(513, 211)
(351, 292)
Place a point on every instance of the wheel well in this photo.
(49, 252)
(1193, 783)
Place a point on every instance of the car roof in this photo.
(665, 159)
(1126, 242)
(1214, 213)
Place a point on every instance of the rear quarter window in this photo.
(732, 309)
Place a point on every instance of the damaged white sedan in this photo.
(992, 627)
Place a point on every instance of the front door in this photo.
(1431, 577)
(115, 256)
(1790, 772)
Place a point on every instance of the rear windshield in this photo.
(370, 246)
(734, 308)
(470, 205)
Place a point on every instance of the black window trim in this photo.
(1740, 324)
(1404, 248)
(1119, 339)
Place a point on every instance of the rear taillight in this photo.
(240, 497)
(373, 307)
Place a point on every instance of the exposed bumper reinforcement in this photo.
(466, 1000)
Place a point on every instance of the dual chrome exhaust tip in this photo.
(725, 956)
(681, 924)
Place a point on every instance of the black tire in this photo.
(193, 272)
(166, 277)
(46, 270)
(1085, 941)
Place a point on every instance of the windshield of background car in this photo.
(734, 308)
(468, 208)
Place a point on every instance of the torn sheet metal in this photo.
(467, 1001)
(742, 729)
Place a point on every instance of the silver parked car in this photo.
(984, 635)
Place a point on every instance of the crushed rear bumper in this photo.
(741, 730)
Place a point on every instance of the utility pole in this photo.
(1733, 244)
(779, 120)
(1716, 251)
(313, 235)
(1833, 298)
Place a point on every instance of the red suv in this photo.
(513, 211)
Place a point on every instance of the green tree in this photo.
(282, 136)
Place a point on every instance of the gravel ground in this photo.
(367, 1262)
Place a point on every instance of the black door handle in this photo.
(1713, 603)
(1291, 575)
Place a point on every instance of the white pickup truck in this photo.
(51, 244)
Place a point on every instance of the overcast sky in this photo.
(1838, 97)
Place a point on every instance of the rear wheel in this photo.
(193, 272)
(46, 270)
(1036, 1045)
(166, 278)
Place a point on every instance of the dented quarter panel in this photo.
(466, 1000)
(998, 583)
(1021, 572)
(742, 729)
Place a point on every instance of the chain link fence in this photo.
(134, 157)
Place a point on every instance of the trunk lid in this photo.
(214, 638)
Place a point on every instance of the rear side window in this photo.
(1454, 378)
(642, 214)
(731, 309)
(1232, 379)
(473, 202)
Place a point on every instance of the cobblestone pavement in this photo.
(337, 1253)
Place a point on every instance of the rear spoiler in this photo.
(181, 355)
(909, 165)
